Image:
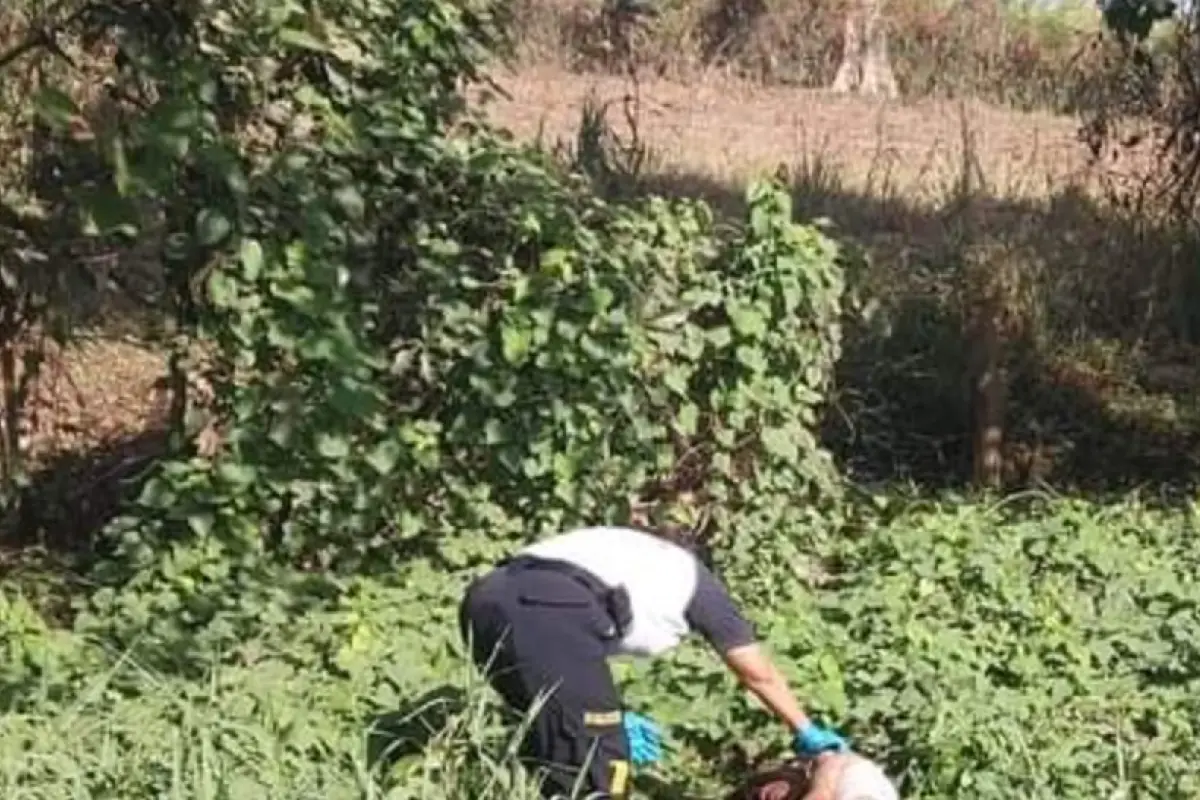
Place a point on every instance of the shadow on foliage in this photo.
(1103, 381)
(61, 279)
(406, 731)
(67, 502)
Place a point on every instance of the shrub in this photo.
(415, 328)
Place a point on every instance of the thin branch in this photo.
(34, 41)
(45, 37)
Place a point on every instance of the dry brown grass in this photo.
(731, 130)
(93, 420)
(881, 170)
(93, 394)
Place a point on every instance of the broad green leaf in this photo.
(333, 446)
(676, 380)
(350, 200)
(251, 259)
(688, 419)
(747, 320)
(493, 431)
(212, 227)
(302, 39)
(384, 456)
(752, 358)
(236, 473)
(221, 289)
(516, 340)
(720, 337)
(781, 443)
(556, 261)
(201, 523)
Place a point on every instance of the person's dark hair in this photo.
(790, 781)
(658, 519)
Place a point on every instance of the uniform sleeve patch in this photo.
(601, 719)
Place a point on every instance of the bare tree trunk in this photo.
(849, 73)
(10, 441)
(877, 78)
(866, 65)
(989, 395)
(988, 284)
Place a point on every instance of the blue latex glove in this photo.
(811, 739)
(645, 740)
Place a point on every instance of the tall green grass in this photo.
(267, 731)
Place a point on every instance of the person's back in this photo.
(659, 576)
(670, 591)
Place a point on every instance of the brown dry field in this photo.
(730, 131)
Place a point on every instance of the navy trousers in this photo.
(534, 628)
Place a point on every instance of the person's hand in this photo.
(645, 740)
(811, 739)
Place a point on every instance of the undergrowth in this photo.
(1037, 649)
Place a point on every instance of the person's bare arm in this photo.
(755, 670)
(713, 613)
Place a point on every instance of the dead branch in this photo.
(46, 37)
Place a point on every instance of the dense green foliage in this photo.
(1037, 652)
(427, 345)
(430, 331)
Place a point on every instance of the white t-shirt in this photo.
(671, 592)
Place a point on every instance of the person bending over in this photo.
(543, 623)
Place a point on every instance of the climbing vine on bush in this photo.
(416, 330)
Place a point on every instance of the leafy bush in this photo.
(422, 342)
(417, 329)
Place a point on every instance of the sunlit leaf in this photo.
(303, 40)
(212, 227)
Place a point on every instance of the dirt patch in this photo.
(91, 394)
(95, 418)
